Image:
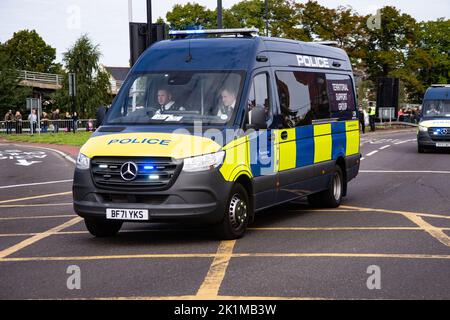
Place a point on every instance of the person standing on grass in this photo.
(75, 122)
(55, 118)
(9, 119)
(18, 117)
(33, 121)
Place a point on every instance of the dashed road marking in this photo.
(372, 153)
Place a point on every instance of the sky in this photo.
(61, 22)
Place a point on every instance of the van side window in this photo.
(259, 96)
(342, 97)
(303, 97)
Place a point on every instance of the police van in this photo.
(434, 127)
(215, 125)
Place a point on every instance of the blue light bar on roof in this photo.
(213, 31)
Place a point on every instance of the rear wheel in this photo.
(332, 197)
(236, 216)
(102, 228)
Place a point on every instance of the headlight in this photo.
(203, 163)
(423, 129)
(83, 162)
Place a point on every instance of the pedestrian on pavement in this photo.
(9, 120)
(33, 121)
(75, 122)
(18, 117)
(372, 114)
(55, 118)
(361, 119)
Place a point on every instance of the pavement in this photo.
(394, 225)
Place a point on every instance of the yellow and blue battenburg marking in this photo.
(267, 152)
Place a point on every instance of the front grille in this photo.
(154, 173)
(443, 134)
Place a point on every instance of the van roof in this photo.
(441, 92)
(233, 53)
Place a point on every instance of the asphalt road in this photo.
(395, 220)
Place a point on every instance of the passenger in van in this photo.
(228, 99)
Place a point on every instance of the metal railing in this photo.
(50, 78)
(52, 126)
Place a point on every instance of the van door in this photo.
(303, 146)
(263, 153)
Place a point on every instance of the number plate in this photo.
(127, 214)
(443, 144)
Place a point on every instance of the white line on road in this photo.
(403, 171)
(385, 147)
(34, 184)
(372, 153)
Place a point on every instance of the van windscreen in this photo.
(177, 97)
(436, 108)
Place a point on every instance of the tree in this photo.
(343, 25)
(389, 47)
(92, 82)
(191, 15)
(12, 95)
(28, 51)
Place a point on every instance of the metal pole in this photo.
(130, 10)
(219, 14)
(149, 22)
(267, 18)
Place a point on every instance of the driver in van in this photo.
(228, 98)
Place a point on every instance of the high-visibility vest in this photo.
(372, 111)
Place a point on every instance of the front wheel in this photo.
(102, 228)
(236, 216)
(332, 197)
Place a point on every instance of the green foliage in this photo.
(92, 82)
(67, 138)
(28, 51)
(12, 96)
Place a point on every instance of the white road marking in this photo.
(34, 184)
(403, 171)
(372, 153)
(26, 163)
(385, 147)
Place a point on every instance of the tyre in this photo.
(102, 228)
(236, 216)
(421, 149)
(332, 197)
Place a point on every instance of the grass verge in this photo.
(73, 139)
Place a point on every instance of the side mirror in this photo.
(257, 118)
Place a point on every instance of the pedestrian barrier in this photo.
(52, 126)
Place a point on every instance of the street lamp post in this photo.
(219, 14)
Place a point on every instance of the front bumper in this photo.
(200, 197)
(424, 140)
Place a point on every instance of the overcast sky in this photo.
(61, 22)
